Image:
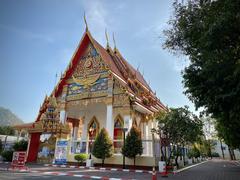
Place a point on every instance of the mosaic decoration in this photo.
(100, 85)
(90, 63)
(90, 76)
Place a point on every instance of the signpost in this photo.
(19, 159)
(61, 152)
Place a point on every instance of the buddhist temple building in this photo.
(99, 88)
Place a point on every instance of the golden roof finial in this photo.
(85, 20)
(138, 67)
(115, 47)
(107, 38)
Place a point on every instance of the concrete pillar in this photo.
(75, 133)
(109, 120)
(29, 141)
(75, 130)
(146, 138)
(152, 147)
(62, 116)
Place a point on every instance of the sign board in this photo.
(19, 158)
(61, 152)
(80, 147)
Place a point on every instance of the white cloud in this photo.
(27, 34)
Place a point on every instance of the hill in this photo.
(7, 118)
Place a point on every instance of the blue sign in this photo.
(61, 152)
(62, 143)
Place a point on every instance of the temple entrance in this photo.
(93, 129)
(118, 135)
(46, 148)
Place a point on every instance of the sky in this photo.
(39, 37)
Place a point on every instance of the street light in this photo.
(90, 133)
(161, 125)
(153, 130)
(124, 132)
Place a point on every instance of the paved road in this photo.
(211, 170)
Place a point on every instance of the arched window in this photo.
(93, 128)
(118, 134)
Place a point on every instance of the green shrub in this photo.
(194, 153)
(80, 158)
(20, 145)
(7, 155)
(190, 154)
(1, 146)
(215, 154)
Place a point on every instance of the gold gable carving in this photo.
(90, 63)
(87, 81)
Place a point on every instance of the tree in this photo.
(207, 32)
(133, 144)
(194, 152)
(103, 146)
(181, 127)
(7, 155)
(20, 145)
(80, 158)
(6, 130)
(205, 146)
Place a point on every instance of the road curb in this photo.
(76, 175)
(98, 168)
(188, 167)
(63, 174)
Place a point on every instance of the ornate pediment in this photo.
(90, 63)
(90, 77)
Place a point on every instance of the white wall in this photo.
(217, 149)
(98, 110)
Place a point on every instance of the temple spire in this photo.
(107, 39)
(85, 20)
(114, 42)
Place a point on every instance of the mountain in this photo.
(7, 118)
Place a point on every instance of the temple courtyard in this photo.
(209, 170)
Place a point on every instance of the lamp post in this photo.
(161, 125)
(153, 130)
(124, 132)
(90, 133)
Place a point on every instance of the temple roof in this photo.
(117, 64)
(24, 126)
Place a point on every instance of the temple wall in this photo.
(98, 110)
(118, 159)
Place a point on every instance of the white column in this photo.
(29, 142)
(109, 120)
(152, 147)
(62, 116)
(127, 122)
(146, 138)
(75, 132)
